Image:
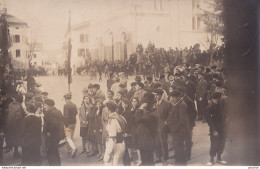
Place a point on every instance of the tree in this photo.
(214, 25)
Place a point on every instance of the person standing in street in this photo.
(31, 134)
(201, 91)
(163, 108)
(15, 117)
(178, 124)
(146, 122)
(69, 113)
(53, 131)
(216, 120)
(83, 117)
(115, 145)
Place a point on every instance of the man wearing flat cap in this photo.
(216, 120)
(178, 124)
(53, 130)
(70, 112)
(163, 108)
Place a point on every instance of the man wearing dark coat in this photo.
(178, 124)
(53, 131)
(216, 120)
(146, 121)
(15, 117)
(163, 108)
(69, 113)
(201, 91)
(31, 134)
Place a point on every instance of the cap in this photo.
(68, 96)
(50, 102)
(45, 93)
(158, 91)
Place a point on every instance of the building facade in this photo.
(126, 23)
(18, 51)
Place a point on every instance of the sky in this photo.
(49, 18)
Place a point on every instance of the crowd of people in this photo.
(152, 61)
(117, 122)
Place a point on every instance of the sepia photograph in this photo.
(129, 83)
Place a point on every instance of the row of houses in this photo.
(115, 35)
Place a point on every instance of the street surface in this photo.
(57, 86)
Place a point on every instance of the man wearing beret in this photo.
(216, 120)
(69, 113)
(178, 123)
(163, 108)
(54, 132)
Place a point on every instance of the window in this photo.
(34, 55)
(81, 38)
(18, 53)
(17, 38)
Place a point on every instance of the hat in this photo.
(122, 85)
(31, 107)
(158, 91)
(50, 102)
(149, 78)
(216, 95)
(97, 86)
(148, 98)
(111, 105)
(175, 93)
(44, 93)
(140, 84)
(138, 79)
(68, 96)
(125, 100)
(38, 98)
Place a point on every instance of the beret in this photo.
(158, 91)
(50, 102)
